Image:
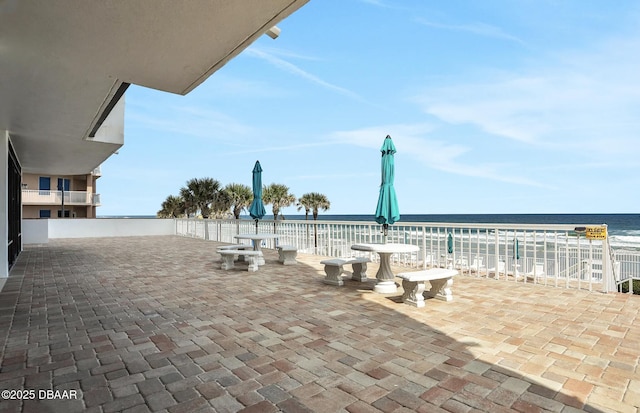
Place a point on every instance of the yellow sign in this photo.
(596, 233)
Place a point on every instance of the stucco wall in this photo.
(33, 230)
(101, 227)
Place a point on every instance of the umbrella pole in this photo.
(385, 231)
(256, 226)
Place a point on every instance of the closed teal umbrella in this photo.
(450, 243)
(256, 210)
(516, 256)
(387, 211)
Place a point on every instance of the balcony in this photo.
(45, 197)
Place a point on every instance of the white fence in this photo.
(556, 255)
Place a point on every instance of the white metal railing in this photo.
(47, 197)
(625, 267)
(547, 254)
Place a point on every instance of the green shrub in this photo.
(624, 287)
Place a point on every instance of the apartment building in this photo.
(54, 196)
(64, 71)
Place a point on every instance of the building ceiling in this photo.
(62, 62)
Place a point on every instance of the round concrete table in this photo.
(257, 242)
(386, 283)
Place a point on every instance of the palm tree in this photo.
(313, 201)
(304, 202)
(172, 207)
(279, 197)
(186, 208)
(199, 194)
(240, 197)
(221, 205)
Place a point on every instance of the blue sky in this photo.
(502, 106)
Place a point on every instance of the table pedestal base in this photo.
(259, 258)
(386, 283)
(385, 287)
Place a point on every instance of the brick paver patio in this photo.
(144, 324)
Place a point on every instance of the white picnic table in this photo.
(385, 283)
(257, 239)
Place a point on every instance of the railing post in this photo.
(608, 280)
(556, 266)
(423, 230)
(579, 253)
(566, 275)
(496, 252)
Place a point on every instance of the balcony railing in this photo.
(553, 255)
(44, 197)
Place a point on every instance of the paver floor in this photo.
(142, 324)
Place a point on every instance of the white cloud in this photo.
(585, 101)
(282, 148)
(229, 87)
(378, 3)
(393, 5)
(481, 29)
(289, 54)
(196, 122)
(333, 176)
(373, 137)
(414, 142)
(295, 70)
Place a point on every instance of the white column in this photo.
(4, 203)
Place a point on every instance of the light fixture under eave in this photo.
(273, 32)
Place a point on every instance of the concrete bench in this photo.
(333, 269)
(236, 247)
(441, 280)
(287, 254)
(229, 255)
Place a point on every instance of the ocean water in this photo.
(623, 229)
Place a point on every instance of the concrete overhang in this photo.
(64, 64)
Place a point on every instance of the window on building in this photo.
(64, 184)
(66, 213)
(44, 185)
(45, 213)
